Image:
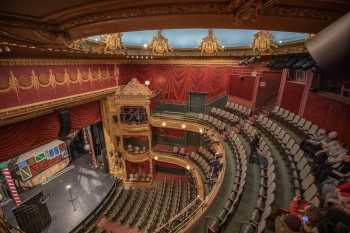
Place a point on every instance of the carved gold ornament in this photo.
(159, 44)
(210, 45)
(113, 42)
(263, 42)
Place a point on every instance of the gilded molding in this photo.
(19, 113)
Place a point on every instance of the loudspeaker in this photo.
(330, 48)
(64, 123)
(33, 215)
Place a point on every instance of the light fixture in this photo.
(147, 82)
(68, 186)
(183, 126)
(145, 45)
(201, 130)
(280, 42)
(163, 123)
(223, 46)
(156, 157)
(188, 167)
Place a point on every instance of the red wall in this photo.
(23, 136)
(242, 87)
(329, 114)
(292, 95)
(268, 93)
(22, 85)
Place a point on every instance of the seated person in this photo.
(298, 206)
(288, 223)
(338, 168)
(312, 145)
(334, 220)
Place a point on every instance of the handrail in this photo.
(178, 215)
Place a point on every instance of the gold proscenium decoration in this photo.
(113, 42)
(104, 44)
(263, 42)
(210, 45)
(159, 44)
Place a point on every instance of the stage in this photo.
(88, 189)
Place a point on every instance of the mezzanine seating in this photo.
(303, 179)
(239, 109)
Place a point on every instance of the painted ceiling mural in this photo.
(191, 38)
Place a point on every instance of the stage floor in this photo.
(89, 187)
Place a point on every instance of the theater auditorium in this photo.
(174, 116)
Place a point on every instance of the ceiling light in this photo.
(156, 157)
(183, 126)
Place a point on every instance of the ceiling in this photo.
(53, 24)
(191, 38)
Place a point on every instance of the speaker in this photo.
(330, 48)
(33, 215)
(64, 123)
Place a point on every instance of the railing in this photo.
(193, 215)
(181, 218)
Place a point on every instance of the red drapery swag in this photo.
(176, 81)
(84, 115)
(26, 135)
(20, 137)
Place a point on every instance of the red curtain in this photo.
(24, 136)
(292, 95)
(176, 81)
(20, 137)
(329, 114)
(84, 115)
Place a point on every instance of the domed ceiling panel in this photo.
(191, 38)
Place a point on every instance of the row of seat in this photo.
(224, 115)
(207, 155)
(166, 208)
(267, 186)
(296, 121)
(218, 124)
(237, 108)
(157, 207)
(300, 169)
(202, 163)
(136, 177)
(232, 202)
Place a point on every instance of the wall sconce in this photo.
(163, 124)
(183, 126)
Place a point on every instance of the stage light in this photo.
(147, 82)
(164, 124)
(183, 126)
